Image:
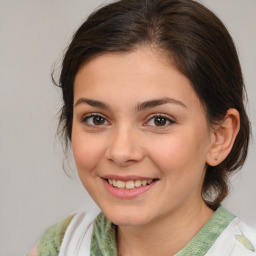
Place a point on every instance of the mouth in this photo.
(130, 184)
(128, 187)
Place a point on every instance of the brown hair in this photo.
(198, 43)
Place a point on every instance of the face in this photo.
(140, 137)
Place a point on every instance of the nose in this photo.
(124, 147)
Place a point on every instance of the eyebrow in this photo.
(140, 107)
(157, 102)
(93, 103)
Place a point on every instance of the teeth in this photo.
(120, 184)
(131, 184)
(144, 182)
(150, 181)
(137, 183)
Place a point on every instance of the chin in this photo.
(127, 218)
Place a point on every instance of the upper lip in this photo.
(127, 178)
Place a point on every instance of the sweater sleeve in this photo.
(50, 243)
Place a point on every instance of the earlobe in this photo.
(224, 135)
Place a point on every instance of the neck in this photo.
(165, 236)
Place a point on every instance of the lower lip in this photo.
(127, 193)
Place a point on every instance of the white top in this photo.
(237, 239)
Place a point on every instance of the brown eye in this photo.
(160, 121)
(98, 120)
(94, 120)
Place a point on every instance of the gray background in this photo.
(34, 190)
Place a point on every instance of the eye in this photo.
(94, 120)
(160, 121)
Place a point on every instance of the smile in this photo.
(128, 187)
(130, 184)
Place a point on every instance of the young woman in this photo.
(153, 108)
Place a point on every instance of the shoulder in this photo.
(66, 234)
(34, 251)
(236, 239)
(245, 235)
(79, 232)
(51, 240)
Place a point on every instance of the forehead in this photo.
(140, 75)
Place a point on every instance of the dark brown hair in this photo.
(198, 44)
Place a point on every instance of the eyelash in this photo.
(85, 119)
(166, 119)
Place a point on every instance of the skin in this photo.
(117, 132)
(127, 141)
(34, 251)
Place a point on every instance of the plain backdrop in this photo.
(35, 192)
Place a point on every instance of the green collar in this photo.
(207, 235)
(103, 241)
(104, 235)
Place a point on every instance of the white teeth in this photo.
(120, 184)
(150, 181)
(131, 184)
(137, 183)
(144, 182)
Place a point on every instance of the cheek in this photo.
(87, 152)
(181, 166)
(182, 153)
(172, 149)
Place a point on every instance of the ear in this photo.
(223, 137)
